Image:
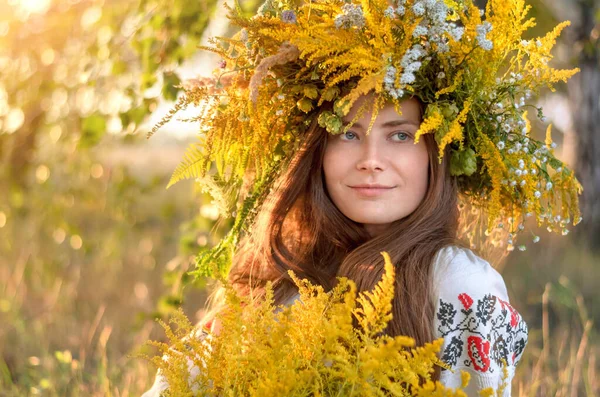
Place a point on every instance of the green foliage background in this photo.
(92, 246)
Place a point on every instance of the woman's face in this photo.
(380, 178)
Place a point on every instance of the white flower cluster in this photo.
(530, 156)
(434, 24)
(389, 82)
(411, 63)
(352, 15)
(482, 30)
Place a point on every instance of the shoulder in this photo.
(482, 331)
(456, 269)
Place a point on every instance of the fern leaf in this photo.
(192, 166)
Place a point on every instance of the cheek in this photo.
(417, 164)
(332, 164)
(423, 173)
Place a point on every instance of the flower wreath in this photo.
(470, 67)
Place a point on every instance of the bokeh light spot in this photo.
(59, 235)
(90, 17)
(14, 120)
(55, 133)
(76, 242)
(48, 56)
(141, 291)
(42, 173)
(97, 171)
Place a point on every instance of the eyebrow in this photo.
(392, 123)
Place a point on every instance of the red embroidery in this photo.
(208, 325)
(514, 315)
(466, 300)
(479, 352)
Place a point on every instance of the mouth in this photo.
(371, 190)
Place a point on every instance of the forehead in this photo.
(409, 109)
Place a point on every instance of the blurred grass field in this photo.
(98, 249)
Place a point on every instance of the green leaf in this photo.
(311, 91)
(331, 122)
(463, 162)
(171, 84)
(305, 105)
(331, 93)
(92, 130)
(339, 105)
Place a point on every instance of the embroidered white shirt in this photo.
(473, 315)
(481, 330)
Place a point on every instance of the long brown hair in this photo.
(299, 228)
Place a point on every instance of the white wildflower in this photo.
(389, 12)
(420, 31)
(443, 47)
(457, 33)
(418, 8)
(407, 78)
(352, 15)
(244, 35)
(390, 75)
(413, 67)
(500, 145)
(482, 31)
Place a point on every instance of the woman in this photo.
(384, 124)
(347, 197)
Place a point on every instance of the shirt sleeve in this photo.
(481, 330)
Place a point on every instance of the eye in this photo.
(348, 134)
(402, 136)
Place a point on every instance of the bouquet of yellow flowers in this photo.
(311, 348)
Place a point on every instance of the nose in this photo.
(370, 158)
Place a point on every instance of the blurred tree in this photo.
(583, 50)
(584, 94)
(76, 70)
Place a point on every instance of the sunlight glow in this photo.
(34, 6)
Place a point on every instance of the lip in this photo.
(373, 190)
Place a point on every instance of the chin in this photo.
(374, 220)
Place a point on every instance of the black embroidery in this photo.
(446, 313)
(483, 334)
(485, 307)
(453, 351)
